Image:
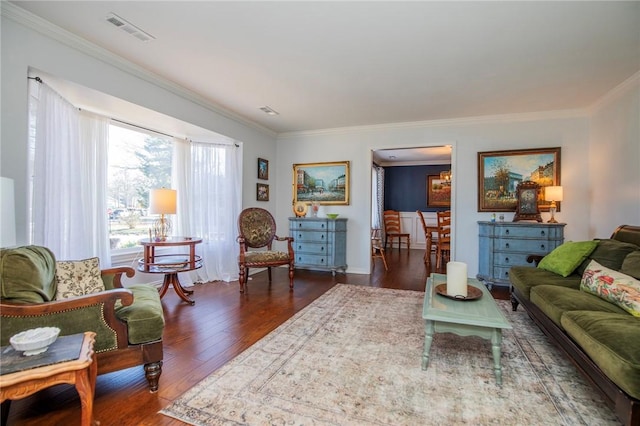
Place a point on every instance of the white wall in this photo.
(614, 161)
(23, 47)
(568, 130)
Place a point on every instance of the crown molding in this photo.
(620, 89)
(464, 121)
(34, 22)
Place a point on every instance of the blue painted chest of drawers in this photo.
(319, 243)
(507, 244)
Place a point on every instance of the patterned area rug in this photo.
(352, 357)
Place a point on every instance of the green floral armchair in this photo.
(257, 229)
(128, 322)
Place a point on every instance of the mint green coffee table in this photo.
(480, 317)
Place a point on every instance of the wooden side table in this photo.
(170, 264)
(68, 360)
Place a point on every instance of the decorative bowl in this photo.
(34, 341)
(332, 215)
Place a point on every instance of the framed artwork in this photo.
(262, 192)
(324, 183)
(438, 192)
(500, 172)
(263, 169)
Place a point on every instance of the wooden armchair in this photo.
(257, 229)
(443, 249)
(128, 322)
(393, 229)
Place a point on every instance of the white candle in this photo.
(457, 279)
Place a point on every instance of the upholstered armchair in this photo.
(257, 229)
(128, 322)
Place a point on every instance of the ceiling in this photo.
(325, 65)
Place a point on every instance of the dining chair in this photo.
(393, 229)
(377, 251)
(443, 247)
(430, 243)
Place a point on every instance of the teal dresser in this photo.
(319, 243)
(507, 244)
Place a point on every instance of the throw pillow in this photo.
(612, 286)
(631, 264)
(564, 259)
(77, 278)
(609, 253)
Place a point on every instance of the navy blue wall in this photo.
(405, 187)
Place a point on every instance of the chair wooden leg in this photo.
(242, 278)
(269, 273)
(291, 276)
(384, 260)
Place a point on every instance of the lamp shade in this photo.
(162, 201)
(553, 193)
(7, 213)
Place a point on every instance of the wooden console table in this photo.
(170, 264)
(68, 360)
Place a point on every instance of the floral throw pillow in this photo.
(612, 286)
(77, 278)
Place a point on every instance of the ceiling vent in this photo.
(128, 27)
(268, 110)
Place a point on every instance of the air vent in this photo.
(268, 110)
(128, 27)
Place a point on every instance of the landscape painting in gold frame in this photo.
(323, 183)
(500, 172)
(438, 192)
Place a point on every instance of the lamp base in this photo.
(552, 210)
(161, 228)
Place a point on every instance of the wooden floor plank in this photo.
(200, 339)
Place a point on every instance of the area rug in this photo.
(353, 357)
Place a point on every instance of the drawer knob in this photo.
(322, 225)
(321, 248)
(507, 273)
(506, 259)
(506, 232)
(542, 246)
(542, 233)
(507, 245)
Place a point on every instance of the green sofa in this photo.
(128, 322)
(601, 338)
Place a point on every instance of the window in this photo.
(138, 162)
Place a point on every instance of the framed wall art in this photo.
(262, 192)
(500, 172)
(325, 183)
(263, 169)
(438, 192)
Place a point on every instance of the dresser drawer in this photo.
(303, 259)
(310, 236)
(524, 246)
(309, 225)
(510, 259)
(501, 274)
(524, 232)
(315, 248)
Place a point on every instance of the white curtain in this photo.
(69, 177)
(377, 196)
(209, 176)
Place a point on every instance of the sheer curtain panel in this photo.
(69, 169)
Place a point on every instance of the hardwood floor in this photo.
(201, 338)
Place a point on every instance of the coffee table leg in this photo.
(496, 348)
(429, 328)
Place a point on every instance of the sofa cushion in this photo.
(524, 278)
(144, 317)
(609, 253)
(79, 277)
(554, 301)
(612, 341)
(27, 274)
(612, 286)
(565, 258)
(631, 264)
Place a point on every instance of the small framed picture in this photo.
(262, 192)
(263, 169)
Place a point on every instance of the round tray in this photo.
(473, 293)
(300, 209)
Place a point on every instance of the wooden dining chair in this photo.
(393, 229)
(377, 251)
(430, 243)
(443, 249)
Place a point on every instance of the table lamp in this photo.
(553, 194)
(162, 201)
